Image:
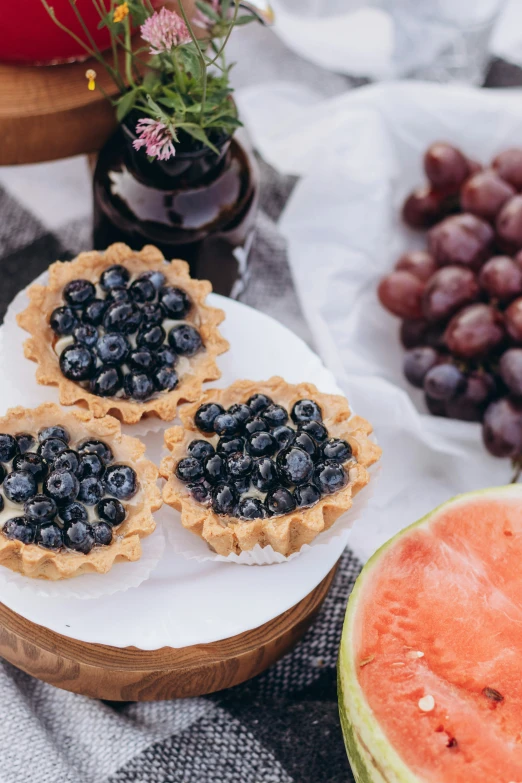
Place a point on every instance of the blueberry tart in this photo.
(123, 333)
(265, 463)
(76, 495)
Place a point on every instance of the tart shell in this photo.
(40, 346)
(286, 534)
(36, 561)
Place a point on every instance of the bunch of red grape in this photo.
(460, 300)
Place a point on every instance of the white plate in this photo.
(186, 602)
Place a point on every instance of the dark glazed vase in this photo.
(198, 206)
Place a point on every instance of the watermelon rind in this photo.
(372, 757)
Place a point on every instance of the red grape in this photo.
(424, 207)
(509, 225)
(445, 166)
(471, 403)
(461, 239)
(447, 291)
(475, 331)
(513, 320)
(419, 263)
(417, 362)
(508, 165)
(401, 294)
(511, 370)
(484, 194)
(474, 166)
(413, 333)
(502, 428)
(444, 381)
(501, 278)
(436, 407)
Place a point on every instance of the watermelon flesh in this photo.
(430, 669)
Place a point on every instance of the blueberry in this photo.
(138, 386)
(97, 447)
(205, 415)
(142, 290)
(49, 536)
(329, 476)
(166, 357)
(142, 359)
(200, 492)
(86, 335)
(74, 512)
(156, 277)
(315, 429)
(54, 432)
(78, 535)
(89, 465)
(107, 382)
(3, 474)
(185, 340)
(275, 415)
(337, 450)
(261, 444)
(51, 448)
(175, 301)
(224, 499)
(165, 378)
(118, 295)
(62, 487)
(63, 321)
(258, 403)
(32, 463)
(8, 447)
(306, 410)
(121, 481)
(227, 446)
(284, 436)
(241, 485)
(19, 486)
(19, 529)
(102, 534)
(306, 495)
(79, 293)
(250, 508)
(68, 460)
(114, 277)
(226, 424)
(40, 508)
(25, 441)
(112, 348)
(239, 465)
(265, 475)
(280, 501)
(307, 443)
(214, 469)
(151, 336)
(152, 314)
(91, 491)
(77, 363)
(256, 425)
(241, 412)
(295, 466)
(199, 449)
(93, 313)
(122, 317)
(111, 511)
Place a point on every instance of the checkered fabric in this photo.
(281, 727)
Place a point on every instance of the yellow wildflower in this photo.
(120, 12)
(90, 75)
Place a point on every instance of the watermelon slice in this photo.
(430, 668)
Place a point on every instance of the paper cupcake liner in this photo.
(191, 547)
(122, 576)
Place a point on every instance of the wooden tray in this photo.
(129, 674)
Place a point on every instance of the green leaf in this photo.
(150, 81)
(244, 20)
(197, 132)
(125, 104)
(206, 9)
(190, 60)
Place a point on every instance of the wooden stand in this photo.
(130, 674)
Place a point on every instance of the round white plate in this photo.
(186, 602)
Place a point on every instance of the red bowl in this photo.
(29, 36)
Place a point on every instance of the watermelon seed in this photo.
(491, 693)
(415, 654)
(367, 660)
(427, 703)
(452, 743)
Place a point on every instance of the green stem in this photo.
(128, 53)
(517, 469)
(232, 23)
(201, 59)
